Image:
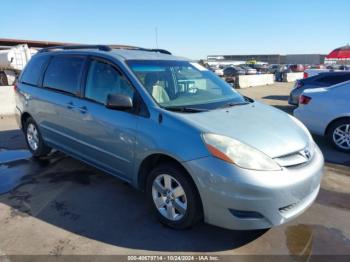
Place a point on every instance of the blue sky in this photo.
(188, 28)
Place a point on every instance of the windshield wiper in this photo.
(184, 109)
(230, 104)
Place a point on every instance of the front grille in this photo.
(305, 199)
(288, 208)
(297, 158)
(291, 160)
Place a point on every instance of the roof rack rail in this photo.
(163, 51)
(73, 47)
(102, 48)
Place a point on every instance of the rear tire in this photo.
(339, 134)
(34, 139)
(175, 203)
(3, 79)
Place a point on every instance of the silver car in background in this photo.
(248, 70)
(172, 128)
(326, 112)
(325, 79)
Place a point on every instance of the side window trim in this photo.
(79, 91)
(29, 84)
(41, 78)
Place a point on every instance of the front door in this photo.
(108, 136)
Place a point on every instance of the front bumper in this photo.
(277, 196)
(18, 115)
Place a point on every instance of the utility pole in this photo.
(156, 34)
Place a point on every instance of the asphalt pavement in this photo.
(60, 205)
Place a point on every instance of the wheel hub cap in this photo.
(341, 136)
(169, 197)
(32, 137)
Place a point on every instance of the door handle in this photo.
(70, 105)
(82, 109)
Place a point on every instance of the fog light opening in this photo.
(246, 214)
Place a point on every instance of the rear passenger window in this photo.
(336, 79)
(344, 78)
(33, 70)
(63, 73)
(103, 79)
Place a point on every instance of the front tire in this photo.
(173, 197)
(34, 139)
(339, 134)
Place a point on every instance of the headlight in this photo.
(238, 153)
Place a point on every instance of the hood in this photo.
(263, 127)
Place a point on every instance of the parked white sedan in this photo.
(326, 111)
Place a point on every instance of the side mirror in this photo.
(119, 102)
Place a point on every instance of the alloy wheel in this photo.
(169, 197)
(341, 136)
(32, 137)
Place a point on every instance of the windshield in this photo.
(184, 84)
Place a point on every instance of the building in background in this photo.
(311, 59)
(270, 59)
(305, 59)
(6, 43)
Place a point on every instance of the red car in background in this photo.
(296, 68)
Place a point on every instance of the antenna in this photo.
(156, 32)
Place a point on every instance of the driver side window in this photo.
(103, 79)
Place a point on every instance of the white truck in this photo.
(12, 62)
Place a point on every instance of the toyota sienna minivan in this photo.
(171, 128)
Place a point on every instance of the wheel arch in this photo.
(154, 160)
(150, 162)
(333, 121)
(24, 118)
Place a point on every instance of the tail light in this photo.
(15, 87)
(304, 100)
(306, 75)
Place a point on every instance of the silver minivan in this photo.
(172, 128)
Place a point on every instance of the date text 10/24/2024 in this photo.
(174, 258)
